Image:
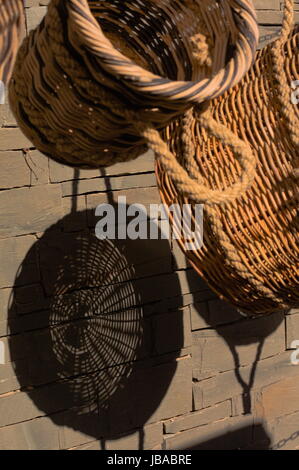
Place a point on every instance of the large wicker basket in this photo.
(93, 70)
(11, 29)
(251, 245)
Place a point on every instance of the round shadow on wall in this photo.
(87, 329)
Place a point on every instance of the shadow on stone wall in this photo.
(238, 331)
(235, 439)
(91, 357)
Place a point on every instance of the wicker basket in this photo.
(251, 245)
(93, 70)
(11, 29)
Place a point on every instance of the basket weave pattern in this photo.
(93, 69)
(263, 225)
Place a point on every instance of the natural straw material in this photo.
(251, 244)
(94, 69)
(11, 24)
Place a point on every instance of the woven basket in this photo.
(93, 70)
(251, 244)
(11, 29)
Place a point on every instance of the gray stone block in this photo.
(179, 259)
(292, 330)
(23, 406)
(153, 394)
(216, 351)
(268, 34)
(34, 16)
(12, 253)
(284, 432)
(14, 171)
(212, 313)
(13, 139)
(144, 196)
(94, 445)
(108, 184)
(29, 210)
(30, 299)
(198, 418)
(38, 434)
(143, 164)
(280, 398)
(5, 307)
(171, 331)
(267, 4)
(39, 167)
(272, 17)
(227, 434)
(79, 222)
(146, 439)
(226, 385)
(6, 117)
(79, 428)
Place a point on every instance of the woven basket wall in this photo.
(262, 227)
(11, 29)
(94, 69)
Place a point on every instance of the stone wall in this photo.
(121, 345)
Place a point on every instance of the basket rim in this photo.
(162, 89)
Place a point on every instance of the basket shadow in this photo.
(227, 323)
(94, 361)
(236, 439)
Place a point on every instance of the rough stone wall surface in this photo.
(161, 363)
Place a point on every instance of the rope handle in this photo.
(231, 254)
(193, 186)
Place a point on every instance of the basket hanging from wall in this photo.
(250, 254)
(11, 29)
(94, 71)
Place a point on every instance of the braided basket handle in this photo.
(191, 185)
(181, 93)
